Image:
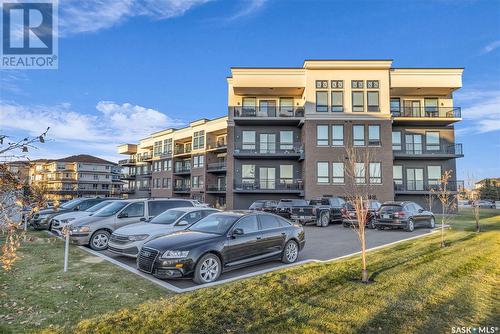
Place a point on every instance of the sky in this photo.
(132, 67)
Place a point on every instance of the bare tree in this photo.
(473, 196)
(448, 202)
(357, 190)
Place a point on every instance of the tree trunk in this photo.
(364, 271)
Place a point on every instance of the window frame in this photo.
(374, 142)
(375, 179)
(354, 138)
(327, 140)
(338, 179)
(358, 107)
(321, 107)
(337, 107)
(341, 126)
(327, 177)
(373, 107)
(248, 145)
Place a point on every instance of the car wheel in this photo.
(99, 240)
(410, 226)
(208, 269)
(371, 224)
(291, 252)
(432, 223)
(324, 219)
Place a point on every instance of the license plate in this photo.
(385, 216)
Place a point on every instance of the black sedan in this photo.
(222, 242)
(407, 215)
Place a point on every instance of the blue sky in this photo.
(162, 63)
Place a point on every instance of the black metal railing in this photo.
(167, 154)
(269, 148)
(182, 188)
(429, 149)
(217, 145)
(127, 176)
(217, 166)
(216, 187)
(270, 184)
(126, 161)
(182, 169)
(427, 185)
(427, 112)
(243, 111)
(145, 188)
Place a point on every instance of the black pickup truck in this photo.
(322, 211)
(285, 206)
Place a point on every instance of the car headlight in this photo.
(138, 237)
(81, 229)
(66, 221)
(174, 254)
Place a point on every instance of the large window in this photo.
(432, 141)
(167, 165)
(374, 135)
(198, 161)
(249, 106)
(337, 172)
(337, 101)
(433, 175)
(397, 175)
(248, 173)
(360, 172)
(286, 140)
(157, 148)
(322, 101)
(286, 174)
(431, 106)
(267, 143)
(358, 103)
(337, 135)
(322, 172)
(286, 106)
(199, 140)
(166, 183)
(373, 101)
(395, 106)
(167, 146)
(375, 173)
(396, 140)
(322, 135)
(248, 140)
(267, 178)
(197, 182)
(358, 135)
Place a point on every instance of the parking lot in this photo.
(321, 244)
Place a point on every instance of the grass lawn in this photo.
(418, 287)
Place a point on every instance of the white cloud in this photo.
(481, 109)
(78, 16)
(72, 132)
(491, 47)
(249, 7)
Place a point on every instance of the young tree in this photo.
(473, 196)
(357, 190)
(448, 202)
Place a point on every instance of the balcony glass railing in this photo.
(427, 185)
(243, 111)
(216, 187)
(429, 149)
(427, 112)
(268, 148)
(270, 184)
(182, 169)
(217, 166)
(182, 188)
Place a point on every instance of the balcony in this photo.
(127, 176)
(145, 188)
(428, 115)
(425, 187)
(217, 146)
(270, 186)
(127, 162)
(217, 167)
(183, 189)
(182, 170)
(144, 174)
(165, 155)
(215, 188)
(128, 191)
(420, 151)
(253, 151)
(145, 157)
(183, 150)
(262, 115)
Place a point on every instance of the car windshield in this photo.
(288, 203)
(216, 223)
(110, 209)
(98, 206)
(168, 217)
(256, 205)
(71, 204)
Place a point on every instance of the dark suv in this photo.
(407, 215)
(285, 206)
(349, 214)
(264, 205)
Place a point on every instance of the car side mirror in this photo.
(77, 208)
(237, 231)
(183, 223)
(143, 219)
(123, 215)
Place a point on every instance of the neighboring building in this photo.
(76, 176)
(20, 169)
(187, 162)
(288, 129)
(493, 181)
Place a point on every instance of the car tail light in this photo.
(399, 214)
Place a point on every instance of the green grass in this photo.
(37, 294)
(418, 288)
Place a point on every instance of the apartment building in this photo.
(76, 176)
(188, 162)
(288, 129)
(20, 169)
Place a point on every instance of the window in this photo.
(267, 143)
(199, 140)
(337, 101)
(357, 84)
(322, 135)
(166, 183)
(249, 106)
(321, 84)
(267, 178)
(397, 175)
(372, 84)
(432, 141)
(167, 146)
(321, 101)
(373, 103)
(248, 173)
(337, 172)
(431, 106)
(248, 140)
(395, 106)
(286, 140)
(337, 84)
(269, 222)
(198, 161)
(358, 103)
(286, 174)
(433, 175)
(156, 183)
(322, 172)
(286, 106)
(157, 148)
(167, 165)
(375, 173)
(360, 173)
(134, 210)
(337, 135)
(374, 135)
(396, 140)
(193, 217)
(248, 224)
(197, 182)
(358, 135)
